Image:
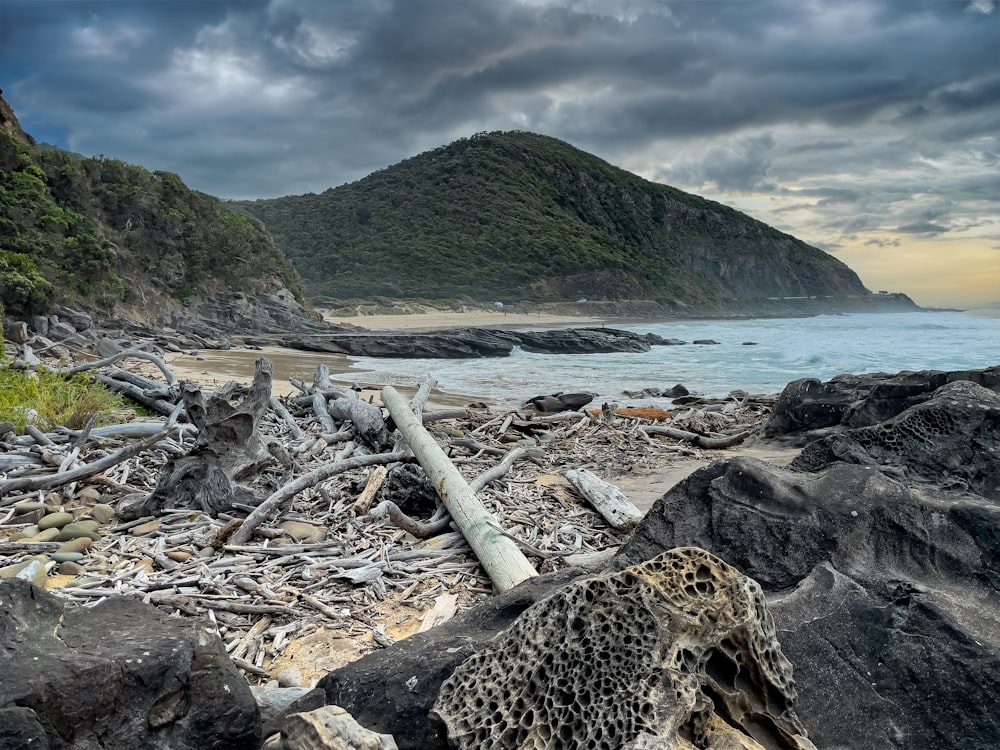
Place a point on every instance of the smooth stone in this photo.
(27, 532)
(30, 507)
(146, 528)
(89, 524)
(290, 677)
(206, 552)
(53, 498)
(89, 495)
(55, 520)
(179, 555)
(303, 532)
(45, 535)
(76, 545)
(103, 513)
(70, 568)
(62, 557)
(75, 531)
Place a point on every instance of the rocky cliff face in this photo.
(10, 125)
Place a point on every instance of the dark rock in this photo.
(16, 332)
(861, 400)
(749, 343)
(953, 438)
(560, 402)
(39, 324)
(885, 597)
(117, 676)
(465, 343)
(675, 392)
(20, 729)
(582, 341)
(705, 342)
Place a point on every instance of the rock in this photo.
(886, 597)
(582, 341)
(952, 438)
(77, 530)
(304, 532)
(16, 332)
(861, 400)
(675, 392)
(39, 324)
(560, 402)
(677, 649)
(20, 730)
(107, 347)
(330, 728)
(277, 703)
(55, 520)
(705, 342)
(89, 495)
(117, 676)
(103, 513)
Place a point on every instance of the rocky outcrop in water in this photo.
(463, 343)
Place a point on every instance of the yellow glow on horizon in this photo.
(935, 272)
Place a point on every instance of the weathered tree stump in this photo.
(228, 449)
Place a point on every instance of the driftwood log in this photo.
(613, 505)
(228, 449)
(505, 564)
(369, 427)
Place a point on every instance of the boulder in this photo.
(861, 400)
(117, 676)
(582, 341)
(16, 332)
(885, 597)
(951, 439)
(677, 652)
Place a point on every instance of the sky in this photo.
(868, 128)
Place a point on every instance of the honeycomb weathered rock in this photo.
(676, 652)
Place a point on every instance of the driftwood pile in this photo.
(275, 517)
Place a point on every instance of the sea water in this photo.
(758, 356)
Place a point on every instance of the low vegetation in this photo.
(49, 399)
(96, 231)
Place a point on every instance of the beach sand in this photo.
(441, 319)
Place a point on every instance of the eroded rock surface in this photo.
(116, 676)
(678, 651)
(861, 400)
(886, 597)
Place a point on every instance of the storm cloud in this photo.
(835, 120)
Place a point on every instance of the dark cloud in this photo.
(855, 119)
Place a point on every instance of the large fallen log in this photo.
(505, 564)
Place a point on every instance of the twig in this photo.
(135, 353)
(290, 490)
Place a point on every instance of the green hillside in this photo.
(520, 216)
(99, 233)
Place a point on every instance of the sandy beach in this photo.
(441, 319)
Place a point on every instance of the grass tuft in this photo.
(49, 399)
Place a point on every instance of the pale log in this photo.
(368, 423)
(500, 557)
(607, 499)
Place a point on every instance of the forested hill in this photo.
(521, 216)
(113, 237)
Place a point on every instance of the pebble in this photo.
(70, 568)
(146, 528)
(103, 513)
(53, 498)
(89, 495)
(62, 557)
(76, 545)
(179, 555)
(21, 508)
(45, 535)
(303, 532)
(290, 677)
(55, 520)
(75, 531)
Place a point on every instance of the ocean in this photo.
(783, 350)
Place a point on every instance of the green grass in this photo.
(50, 399)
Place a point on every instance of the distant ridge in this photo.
(526, 217)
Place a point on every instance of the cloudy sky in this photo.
(869, 128)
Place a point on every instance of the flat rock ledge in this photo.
(463, 343)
